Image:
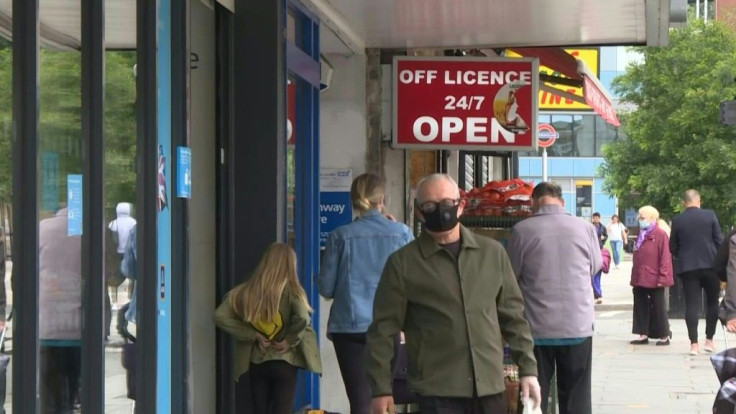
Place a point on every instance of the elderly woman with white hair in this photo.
(650, 275)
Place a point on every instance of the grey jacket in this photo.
(554, 256)
(60, 280)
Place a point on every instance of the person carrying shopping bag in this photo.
(268, 316)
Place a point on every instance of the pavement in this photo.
(647, 378)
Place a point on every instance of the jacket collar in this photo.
(428, 246)
(550, 209)
(371, 213)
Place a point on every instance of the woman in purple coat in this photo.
(651, 273)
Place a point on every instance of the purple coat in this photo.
(653, 261)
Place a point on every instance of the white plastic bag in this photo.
(528, 407)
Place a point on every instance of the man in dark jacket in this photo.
(694, 241)
(600, 229)
(455, 296)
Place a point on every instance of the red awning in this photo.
(594, 94)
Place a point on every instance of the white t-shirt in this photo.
(615, 230)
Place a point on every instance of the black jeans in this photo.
(650, 314)
(489, 404)
(272, 387)
(692, 283)
(349, 349)
(574, 366)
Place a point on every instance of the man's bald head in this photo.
(691, 198)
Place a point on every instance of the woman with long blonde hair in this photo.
(268, 315)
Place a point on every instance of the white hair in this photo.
(432, 178)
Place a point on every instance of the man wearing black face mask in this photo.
(455, 296)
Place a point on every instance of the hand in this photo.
(263, 342)
(280, 347)
(731, 325)
(530, 390)
(389, 216)
(383, 405)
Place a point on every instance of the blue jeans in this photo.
(616, 249)
(597, 292)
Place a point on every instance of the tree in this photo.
(675, 141)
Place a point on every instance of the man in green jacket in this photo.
(455, 296)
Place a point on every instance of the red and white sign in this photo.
(465, 103)
(597, 99)
(546, 135)
(290, 112)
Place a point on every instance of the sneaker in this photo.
(694, 349)
(709, 347)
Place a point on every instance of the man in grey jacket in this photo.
(554, 256)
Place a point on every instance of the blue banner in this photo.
(335, 209)
(184, 172)
(163, 81)
(74, 204)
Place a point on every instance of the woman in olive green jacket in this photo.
(268, 316)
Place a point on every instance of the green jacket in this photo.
(297, 331)
(455, 314)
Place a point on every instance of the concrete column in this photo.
(374, 157)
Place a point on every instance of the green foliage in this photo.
(675, 141)
(60, 122)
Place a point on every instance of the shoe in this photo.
(694, 349)
(599, 301)
(663, 342)
(644, 341)
(709, 347)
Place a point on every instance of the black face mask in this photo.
(443, 218)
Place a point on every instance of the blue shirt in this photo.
(352, 265)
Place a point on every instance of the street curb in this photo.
(614, 307)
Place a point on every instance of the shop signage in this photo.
(546, 135)
(548, 100)
(465, 103)
(184, 172)
(74, 212)
(335, 207)
(290, 112)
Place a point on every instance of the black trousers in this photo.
(61, 368)
(650, 314)
(574, 366)
(692, 284)
(272, 387)
(349, 349)
(489, 404)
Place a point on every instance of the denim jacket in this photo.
(351, 268)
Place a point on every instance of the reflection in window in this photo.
(582, 135)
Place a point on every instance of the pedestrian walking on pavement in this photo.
(696, 236)
(268, 315)
(351, 268)
(651, 273)
(617, 236)
(554, 256)
(454, 294)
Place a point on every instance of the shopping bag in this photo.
(529, 407)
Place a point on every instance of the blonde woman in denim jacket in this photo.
(351, 268)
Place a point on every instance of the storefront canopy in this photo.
(576, 74)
